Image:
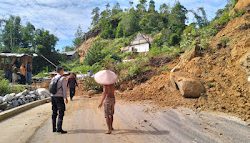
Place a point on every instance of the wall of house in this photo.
(141, 48)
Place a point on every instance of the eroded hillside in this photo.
(223, 70)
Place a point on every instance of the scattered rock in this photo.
(3, 106)
(15, 103)
(145, 121)
(25, 92)
(19, 95)
(8, 97)
(43, 93)
(1, 99)
(20, 101)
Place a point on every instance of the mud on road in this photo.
(134, 123)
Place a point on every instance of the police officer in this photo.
(58, 101)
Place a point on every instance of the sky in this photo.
(63, 17)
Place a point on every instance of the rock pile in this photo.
(13, 100)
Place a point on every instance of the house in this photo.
(10, 60)
(141, 44)
(70, 54)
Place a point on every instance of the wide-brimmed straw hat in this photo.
(105, 77)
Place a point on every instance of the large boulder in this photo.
(43, 93)
(189, 87)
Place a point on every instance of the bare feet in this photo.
(112, 129)
(108, 132)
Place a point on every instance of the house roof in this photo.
(69, 53)
(13, 55)
(141, 39)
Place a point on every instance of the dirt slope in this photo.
(223, 71)
(82, 50)
(241, 4)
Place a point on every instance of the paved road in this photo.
(134, 123)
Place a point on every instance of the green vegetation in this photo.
(224, 41)
(167, 26)
(6, 88)
(90, 84)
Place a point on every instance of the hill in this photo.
(216, 53)
(223, 71)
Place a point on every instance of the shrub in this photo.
(95, 54)
(90, 84)
(224, 41)
(85, 68)
(17, 88)
(174, 39)
(239, 13)
(4, 87)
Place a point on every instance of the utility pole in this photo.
(48, 60)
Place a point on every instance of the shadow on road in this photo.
(120, 131)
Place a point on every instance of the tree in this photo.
(204, 16)
(12, 33)
(129, 24)
(116, 9)
(164, 13)
(151, 23)
(28, 34)
(151, 7)
(78, 37)
(177, 18)
(45, 45)
(94, 54)
(45, 41)
(131, 4)
(201, 20)
(68, 48)
(141, 7)
(164, 9)
(95, 16)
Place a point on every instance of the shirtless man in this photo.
(108, 99)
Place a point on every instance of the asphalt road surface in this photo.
(133, 123)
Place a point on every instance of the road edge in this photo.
(12, 112)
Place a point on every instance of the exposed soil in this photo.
(84, 47)
(241, 4)
(220, 70)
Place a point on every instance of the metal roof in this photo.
(141, 39)
(69, 53)
(13, 55)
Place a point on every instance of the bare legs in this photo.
(109, 118)
(109, 121)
